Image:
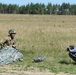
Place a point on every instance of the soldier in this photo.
(72, 52)
(10, 39)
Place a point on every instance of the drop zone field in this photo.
(41, 35)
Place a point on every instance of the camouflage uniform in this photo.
(9, 41)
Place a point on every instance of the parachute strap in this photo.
(73, 54)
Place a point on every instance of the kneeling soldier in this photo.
(10, 39)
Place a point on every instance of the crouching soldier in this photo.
(10, 39)
(72, 52)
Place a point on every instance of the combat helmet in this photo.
(12, 31)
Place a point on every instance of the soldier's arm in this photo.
(7, 41)
(14, 44)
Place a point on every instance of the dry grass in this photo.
(42, 35)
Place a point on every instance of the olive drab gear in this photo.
(39, 59)
(12, 31)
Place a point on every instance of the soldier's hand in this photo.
(14, 46)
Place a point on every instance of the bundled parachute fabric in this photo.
(9, 55)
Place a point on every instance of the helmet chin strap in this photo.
(11, 36)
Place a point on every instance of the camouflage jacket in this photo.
(9, 42)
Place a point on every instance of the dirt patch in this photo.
(11, 72)
(7, 70)
(31, 73)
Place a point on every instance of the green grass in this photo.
(42, 35)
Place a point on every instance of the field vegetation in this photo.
(46, 35)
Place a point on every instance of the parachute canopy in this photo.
(9, 55)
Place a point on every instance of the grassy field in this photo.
(41, 35)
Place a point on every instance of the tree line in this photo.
(38, 8)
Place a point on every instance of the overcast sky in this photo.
(24, 2)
